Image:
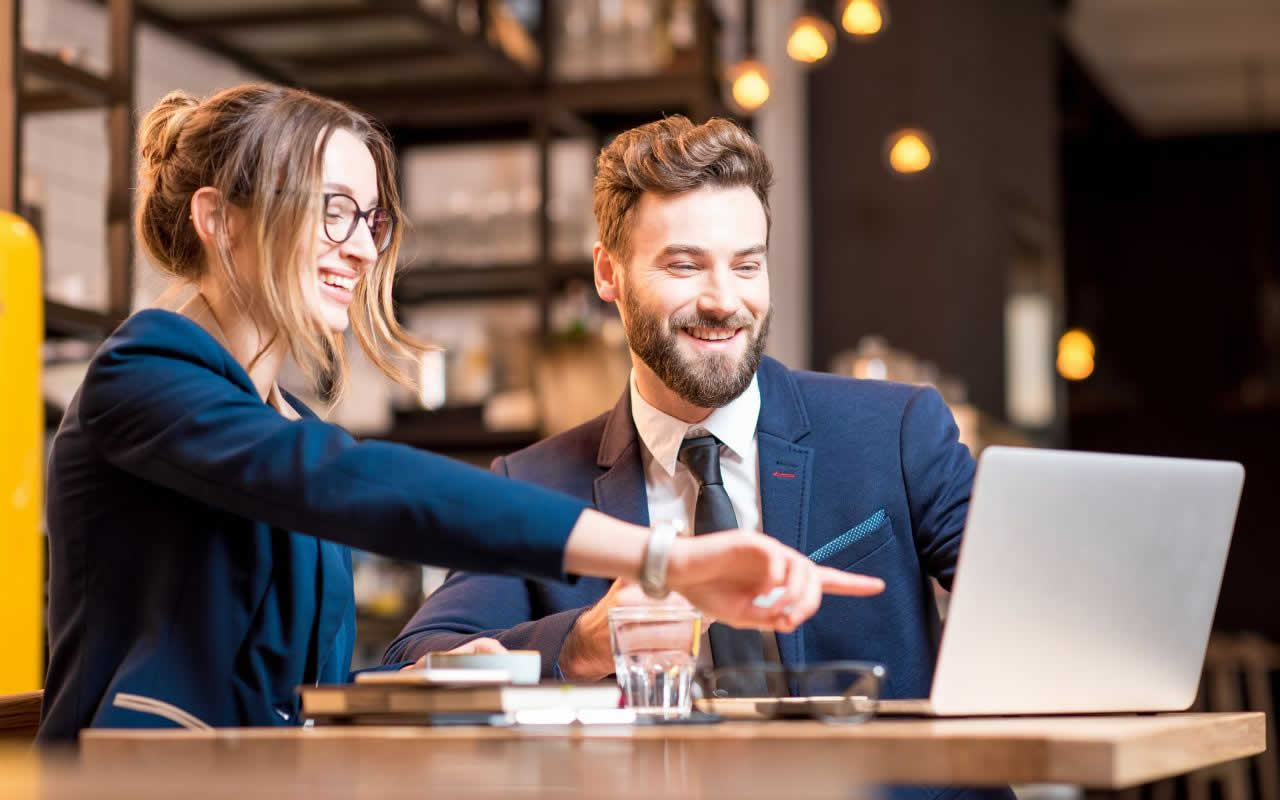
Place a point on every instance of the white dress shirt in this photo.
(672, 490)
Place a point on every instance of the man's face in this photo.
(694, 296)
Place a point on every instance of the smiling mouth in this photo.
(338, 281)
(711, 334)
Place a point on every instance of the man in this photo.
(862, 475)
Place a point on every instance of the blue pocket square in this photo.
(850, 536)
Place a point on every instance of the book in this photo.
(437, 677)
(335, 701)
(20, 715)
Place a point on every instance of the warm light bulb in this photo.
(749, 85)
(910, 151)
(862, 18)
(1075, 355)
(812, 39)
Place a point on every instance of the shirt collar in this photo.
(733, 424)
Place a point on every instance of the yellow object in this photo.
(1075, 355)
(22, 457)
(812, 39)
(749, 85)
(909, 152)
(861, 18)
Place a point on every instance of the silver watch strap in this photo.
(657, 554)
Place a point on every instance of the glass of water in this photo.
(655, 653)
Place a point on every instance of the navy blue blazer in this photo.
(197, 538)
(862, 475)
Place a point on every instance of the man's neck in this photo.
(657, 394)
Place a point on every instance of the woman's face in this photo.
(351, 186)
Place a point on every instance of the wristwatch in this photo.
(657, 553)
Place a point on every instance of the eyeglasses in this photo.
(342, 214)
(834, 691)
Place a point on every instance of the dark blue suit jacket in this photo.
(197, 537)
(862, 475)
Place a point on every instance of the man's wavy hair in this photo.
(667, 157)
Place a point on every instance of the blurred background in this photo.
(1060, 212)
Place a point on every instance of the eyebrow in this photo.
(347, 190)
(688, 249)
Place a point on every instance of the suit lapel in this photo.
(620, 491)
(785, 474)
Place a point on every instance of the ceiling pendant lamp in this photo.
(862, 19)
(909, 151)
(812, 39)
(749, 79)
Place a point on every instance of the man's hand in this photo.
(481, 645)
(587, 654)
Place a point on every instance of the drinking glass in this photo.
(655, 653)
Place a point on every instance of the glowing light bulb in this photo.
(812, 39)
(1075, 355)
(909, 151)
(862, 18)
(749, 85)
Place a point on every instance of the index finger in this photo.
(850, 584)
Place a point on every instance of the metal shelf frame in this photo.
(37, 82)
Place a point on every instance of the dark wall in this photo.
(1170, 247)
(924, 260)
(1168, 244)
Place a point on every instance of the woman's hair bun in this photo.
(160, 128)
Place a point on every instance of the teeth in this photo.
(340, 281)
(711, 334)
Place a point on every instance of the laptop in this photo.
(1086, 583)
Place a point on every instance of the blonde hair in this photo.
(671, 156)
(261, 147)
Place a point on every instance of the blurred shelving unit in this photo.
(451, 71)
(432, 71)
(470, 283)
(40, 82)
(441, 73)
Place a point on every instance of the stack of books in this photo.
(460, 696)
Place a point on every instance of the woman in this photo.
(199, 516)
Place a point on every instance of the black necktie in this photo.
(713, 512)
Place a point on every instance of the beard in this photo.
(710, 380)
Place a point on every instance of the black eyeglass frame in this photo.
(366, 215)
(785, 696)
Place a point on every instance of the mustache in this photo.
(742, 319)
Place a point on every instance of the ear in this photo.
(607, 274)
(206, 215)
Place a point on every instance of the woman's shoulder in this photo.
(163, 329)
(154, 343)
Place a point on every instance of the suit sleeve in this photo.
(471, 606)
(155, 406)
(937, 471)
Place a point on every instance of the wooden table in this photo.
(740, 759)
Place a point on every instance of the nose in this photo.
(719, 296)
(360, 246)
